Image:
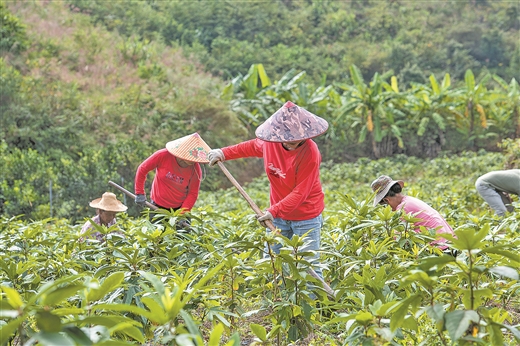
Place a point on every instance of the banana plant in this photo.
(372, 110)
(507, 105)
(471, 118)
(430, 113)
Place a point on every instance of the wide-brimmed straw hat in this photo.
(190, 148)
(108, 202)
(382, 185)
(291, 123)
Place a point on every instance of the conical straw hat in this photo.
(189, 148)
(291, 123)
(108, 202)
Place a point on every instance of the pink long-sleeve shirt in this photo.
(173, 186)
(430, 218)
(294, 176)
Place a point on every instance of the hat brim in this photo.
(115, 207)
(190, 148)
(381, 194)
(291, 123)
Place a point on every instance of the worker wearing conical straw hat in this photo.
(177, 174)
(291, 161)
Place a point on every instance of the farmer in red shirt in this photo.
(291, 161)
(177, 174)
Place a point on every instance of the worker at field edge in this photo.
(106, 208)
(291, 162)
(495, 188)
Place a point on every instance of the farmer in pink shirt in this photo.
(388, 191)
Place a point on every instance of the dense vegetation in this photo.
(412, 38)
(150, 284)
(82, 105)
(426, 93)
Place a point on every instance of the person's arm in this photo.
(193, 190)
(306, 176)
(251, 148)
(144, 168)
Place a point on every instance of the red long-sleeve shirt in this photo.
(296, 192)
(173, 186)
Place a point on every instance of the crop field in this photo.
(215, 284)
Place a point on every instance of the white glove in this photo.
(215, 155)
(265, 217)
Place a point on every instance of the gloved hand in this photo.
(265, 217)
(215, 155)
(140, 200)
(183, 224)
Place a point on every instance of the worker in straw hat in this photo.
(291, 161)
(177, 174)
(106, 208)
(388, 192)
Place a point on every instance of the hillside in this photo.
(412, 38)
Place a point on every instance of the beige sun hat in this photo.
(382, 185)
(108, 202)
(291, 123)
(190, 148)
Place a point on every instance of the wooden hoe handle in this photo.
(269, 224)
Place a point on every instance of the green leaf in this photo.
(263, 76)
(129, 308)
(48, 322)
(446, 82)
(61, 294)
(233, 341)
(470, 80)
(508, 272)
(499, 250)
(13, 298)
(108, 321)
(216, 334)
(53, 339)
(478, 297)
(468, 239)
(190, 324)
(156, 283)
(435, 85)
(77, 335)
(393, 83)
(259, 331)
(8, 330)
(429, 262)
(399, 315)
(128, 329)
(457, 322)
(108, 285)
(513, 331)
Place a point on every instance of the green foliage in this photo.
(323, 37)
(13, 38)
(147, 282)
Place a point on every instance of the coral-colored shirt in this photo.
(173, 186)
(294, 176)
(430, 218)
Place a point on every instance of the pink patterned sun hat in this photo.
(291, 123)
(189, 148)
